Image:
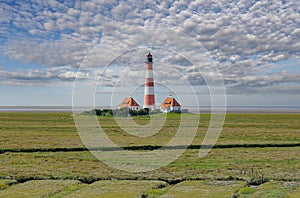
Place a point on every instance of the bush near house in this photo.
(98, 112)
(123, 112)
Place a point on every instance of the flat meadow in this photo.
(256, 155)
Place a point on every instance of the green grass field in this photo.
(33, 159)
(52, 130)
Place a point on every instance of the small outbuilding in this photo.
(170, 104)
(130, 103)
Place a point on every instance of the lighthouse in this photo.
(149, 98)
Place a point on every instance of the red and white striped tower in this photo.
(149, 99)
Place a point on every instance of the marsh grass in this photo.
(37, 188)
(272, 189)
(244, 163)
(5, 183)
(150, 189)
(116, 189)
(57, 130)
(37, 130)
(246, 190)
(216, 189)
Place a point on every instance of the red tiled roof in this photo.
(170, 102)
(128, 102)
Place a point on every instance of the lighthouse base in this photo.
(151, 108)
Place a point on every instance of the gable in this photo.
(129, 102)
(170, 102)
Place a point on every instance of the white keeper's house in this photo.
(130, 103)
(170, 104)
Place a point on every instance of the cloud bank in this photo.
(247, 40)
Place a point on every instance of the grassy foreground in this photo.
(151, 189)
(30, 143)
(57, 130)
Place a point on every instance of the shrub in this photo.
(107, 112)
(92, 112)
(143, 112)
(123, 112)
(247, 190)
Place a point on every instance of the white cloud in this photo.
(243, 37)
(40, 76)
(50, 25)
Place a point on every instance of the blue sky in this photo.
(254, 46)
